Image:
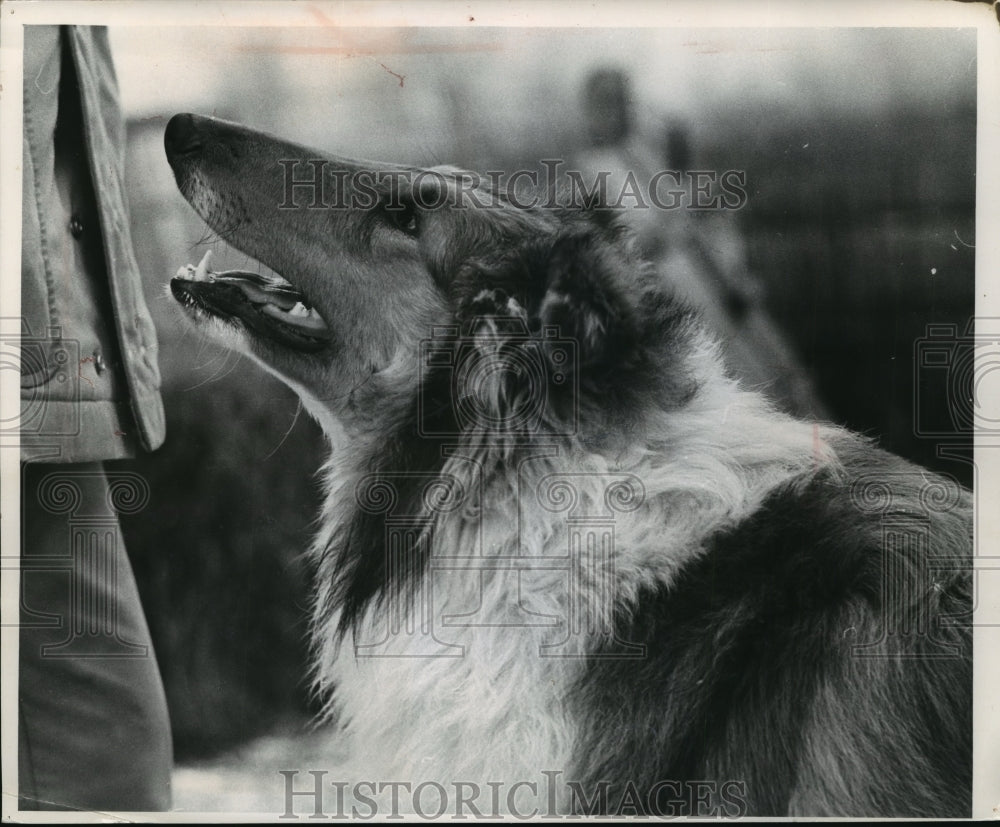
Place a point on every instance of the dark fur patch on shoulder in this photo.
(785, 643)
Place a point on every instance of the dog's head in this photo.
(402, 286)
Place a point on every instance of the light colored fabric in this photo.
(89, 378)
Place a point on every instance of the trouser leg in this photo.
(93, 727)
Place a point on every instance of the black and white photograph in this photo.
(499, 411)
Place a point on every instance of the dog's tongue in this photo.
(273, 297)
(259, 289)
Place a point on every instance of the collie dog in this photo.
(559, 543)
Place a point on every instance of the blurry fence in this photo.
(863, 232)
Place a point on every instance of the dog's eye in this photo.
(404, 218)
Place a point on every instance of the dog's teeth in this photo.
(200, 273)
(303, 312)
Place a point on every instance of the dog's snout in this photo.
(182, 136)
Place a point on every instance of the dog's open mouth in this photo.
(270, 307)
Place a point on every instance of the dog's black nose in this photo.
(182, 136)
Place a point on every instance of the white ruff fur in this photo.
(500, 711)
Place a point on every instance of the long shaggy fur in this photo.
(620, 566)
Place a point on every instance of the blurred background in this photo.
(858, 147)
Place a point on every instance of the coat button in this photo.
(99, 365)
(76, 226)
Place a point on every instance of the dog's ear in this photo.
(500, 378)
(566, 320)
(582, 301)
(565, 287)
(541, 324)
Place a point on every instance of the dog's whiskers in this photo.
(295, 418)
(228, 366)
